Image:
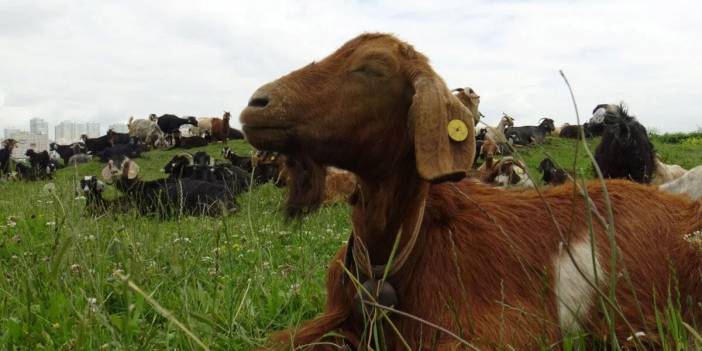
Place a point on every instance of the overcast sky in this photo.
(107, 60)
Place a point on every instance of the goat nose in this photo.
(259, 101)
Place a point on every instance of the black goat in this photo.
(26, 172)
(66, 151)
(5, 153)
(41, 163)
(596, 125)
(96, 145)
(235, 134)
(171, 123)
(169, 197)
(243, 162)
(131, 150)
(119, 138)
(94, 202)
(40, 167)
(180, 166)
(479, 140)
(552, 174)
(235, 179)
(527, 134)
(573, 132)
(625, 150)
(190, 142)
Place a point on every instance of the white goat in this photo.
(205, 124)
(666, 173)
(145, 130)
(690, 183)
(497, 134)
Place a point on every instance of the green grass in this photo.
(231, 281)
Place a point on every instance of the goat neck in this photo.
(385, 206)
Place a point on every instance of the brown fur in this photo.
(483, 265)
(338, 186)
(220, 127)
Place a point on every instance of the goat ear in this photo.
(444, 133)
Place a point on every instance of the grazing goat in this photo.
(220, 127)
(469, 98)
(5, 155)
(530, 134)
(146, 131)
(666, 173)
(66, 151)
(689, 184)
(490, 266)
(625, 150)
(168, 197)
(170, 124)
(551, 174)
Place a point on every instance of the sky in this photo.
(107, 60)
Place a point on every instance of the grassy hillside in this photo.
(231, 281)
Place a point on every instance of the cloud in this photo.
(106, 61)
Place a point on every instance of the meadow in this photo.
(71, 281)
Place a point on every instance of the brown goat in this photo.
(220, 127)
(495, 267)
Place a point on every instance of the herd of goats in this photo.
(197, 184)
(514, 268)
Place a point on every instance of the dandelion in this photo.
(92, 303)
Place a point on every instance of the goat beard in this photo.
(305, 185)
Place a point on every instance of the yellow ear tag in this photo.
(457, 130)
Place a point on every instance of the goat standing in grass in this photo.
(500, 269)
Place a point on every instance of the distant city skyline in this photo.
(38, 125)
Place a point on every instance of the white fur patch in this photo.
(574, 294)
